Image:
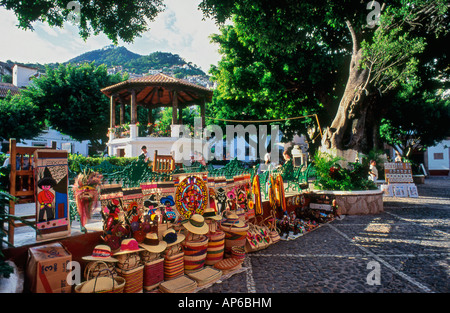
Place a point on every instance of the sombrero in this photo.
(151, 243)
(233, 220)
(128, 246)
(100, 253)
(210, 213)
(196, 224)
(169, 199)
(172, 238)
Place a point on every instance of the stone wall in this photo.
(357, 202)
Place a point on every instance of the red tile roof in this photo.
(4, 87)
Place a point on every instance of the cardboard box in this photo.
(47, 268)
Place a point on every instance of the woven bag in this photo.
(238, 253)
(99, 268)
(134, 279)
(234, 236)
(173, 265)
(216, 247)
(153, 274)
(195, 251)
(101, 283)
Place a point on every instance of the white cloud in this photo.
(179, 29)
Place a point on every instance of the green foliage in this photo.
(19, 118)
(69, 98)
(416, 121)
(289, 58)
(330, 175)
(136, 63)
(118, 19)
(75, 160)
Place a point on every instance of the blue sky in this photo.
(179, 29)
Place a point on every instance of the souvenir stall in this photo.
(167, 236)
(186, 233)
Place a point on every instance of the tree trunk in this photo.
(348, 129)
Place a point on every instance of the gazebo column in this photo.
(122, 112)
(112, 117)
(202, 111)
(133, 127)
(174, 108)
(180, 115)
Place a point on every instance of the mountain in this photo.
(109, 56)
(134, 63)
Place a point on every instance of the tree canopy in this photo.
(117, 19)
(19, 118)
(70, 100)
(284, 58)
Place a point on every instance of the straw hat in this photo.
(210, 213)
(171, 237)
(233, 220)
(100, 253)
(196, 224)
(151, 243)
(128, 246)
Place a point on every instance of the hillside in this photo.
(125, 60)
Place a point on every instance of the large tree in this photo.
(69, 98)
(19, 118)
(117, 19)
(323, 36)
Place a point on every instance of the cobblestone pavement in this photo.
(408, 245)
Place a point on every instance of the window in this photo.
(438, 156)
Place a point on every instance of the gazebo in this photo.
(153, 91)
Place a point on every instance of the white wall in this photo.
(47, 137)
(439, 150)
(21, 75)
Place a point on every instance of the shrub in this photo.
(330, 175)
(76, 159)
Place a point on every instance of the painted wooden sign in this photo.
(52, 201)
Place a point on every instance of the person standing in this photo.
(373, 171)
(144, 154)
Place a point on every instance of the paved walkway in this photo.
(406, 249)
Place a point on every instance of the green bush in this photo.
(330, 175)
(75, 160)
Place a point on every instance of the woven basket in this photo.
(234, 236)
(100, 269)
(173, 266)
(195, 253)
(117, 288)
(274, 236)
(134, 279)
(216, 247)
(118, 282)
(153, 274)
(238, 253)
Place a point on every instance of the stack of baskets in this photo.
(216, 246)
(235, 233)
(195, 251)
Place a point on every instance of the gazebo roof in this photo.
(157, 90)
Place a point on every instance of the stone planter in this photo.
(356, 202)
(419, 179)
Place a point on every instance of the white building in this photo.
(63, 142)
(22, 75)
(438, 158)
